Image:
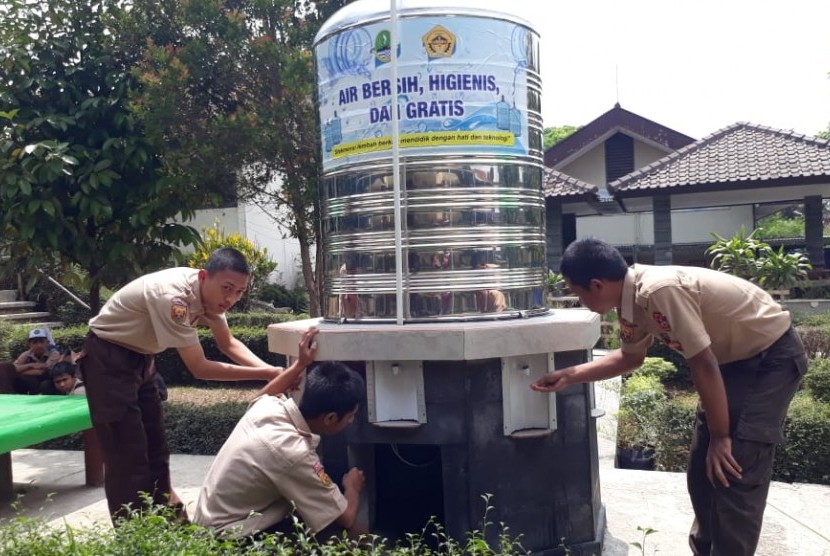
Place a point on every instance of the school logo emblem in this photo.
(661, 321)
(178, 310)
(321, 474)
(383, 48)
(439, 42)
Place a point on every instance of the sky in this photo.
(694, 66)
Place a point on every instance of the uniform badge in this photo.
(178, 310)
(671, 344)
(661, 321)
(321, 474)
(626, 330)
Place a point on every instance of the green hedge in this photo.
(200, 429)
(168, 363)
(804, 456)
(198, 420)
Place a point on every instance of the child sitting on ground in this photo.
(65, 378)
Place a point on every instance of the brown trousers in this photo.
(126, 413)
(758, 390)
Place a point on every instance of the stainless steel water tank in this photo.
(467, 97)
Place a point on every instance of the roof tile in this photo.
(737, 153)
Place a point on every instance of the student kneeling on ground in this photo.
(270, 462)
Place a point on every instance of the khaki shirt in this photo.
(50, 357)
(689, 309)
(268, 462)
(154, 312)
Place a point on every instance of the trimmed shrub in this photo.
(280, 296)
(6, 332)
(172, 368)
(197, 420)
(804, 456)
(817, 379)
(201, 430)
(682, 376)
(168, 363)
(816, 339)
(656, 367)
(260, 319)
(675, 421)
(641, 397)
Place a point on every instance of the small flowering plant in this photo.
(214, 238)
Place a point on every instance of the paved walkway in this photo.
(797, 518)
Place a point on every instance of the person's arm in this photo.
(709, 383)
(201, 367)
(614, 364)
(28, 369)
(290, 378)
(353, 482)
(232, 347)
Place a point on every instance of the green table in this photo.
(29, 420)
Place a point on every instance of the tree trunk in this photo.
(95, 296)
(309, 276)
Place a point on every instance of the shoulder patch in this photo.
(661, 321)
(321, 474)
(178, 310)
(626, 330)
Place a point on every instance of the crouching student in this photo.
(270, 463)
(65, 379)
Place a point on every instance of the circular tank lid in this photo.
(364, 12)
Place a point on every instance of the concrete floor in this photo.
(796, 521)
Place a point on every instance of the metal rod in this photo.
(77, 300)
(396, 177)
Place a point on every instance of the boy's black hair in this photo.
(62, 368)
(589, 259)
(331, 386)
(227, 258)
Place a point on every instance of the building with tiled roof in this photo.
(665, 203)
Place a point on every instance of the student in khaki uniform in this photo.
(33, 365)
(746, 362)
(150, 314)
(270, 462)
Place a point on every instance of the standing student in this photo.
(150, 314)
(746, 362)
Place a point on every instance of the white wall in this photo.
(264, 231)
(688, 226)
(258, 226)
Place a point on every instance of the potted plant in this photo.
(640, 402)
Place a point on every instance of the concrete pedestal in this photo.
(544, 485)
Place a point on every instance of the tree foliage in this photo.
(228, 94)
(78, 180)
(553, 135)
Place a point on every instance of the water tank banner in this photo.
(462, 88)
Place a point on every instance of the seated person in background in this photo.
(33, 364)
(270, 462)
(65, 379)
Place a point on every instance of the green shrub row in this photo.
(251, 331)
(667, 424)
(814, 332)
